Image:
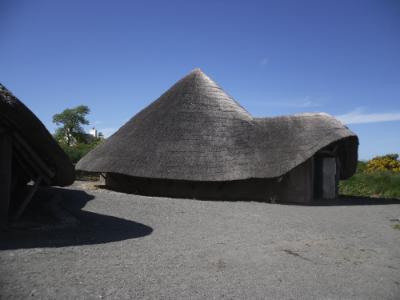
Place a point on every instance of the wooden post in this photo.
(5, 175)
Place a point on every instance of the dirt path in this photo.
(115, 245)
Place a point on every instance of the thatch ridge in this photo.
(195, 131)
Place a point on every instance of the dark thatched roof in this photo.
(195, 131)
(26, 128)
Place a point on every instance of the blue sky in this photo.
(274, 57)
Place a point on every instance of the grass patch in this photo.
(86, 176)
(396, 226)
(382, 184)
(76, 152)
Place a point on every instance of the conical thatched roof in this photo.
(195, 131)
(27, 130)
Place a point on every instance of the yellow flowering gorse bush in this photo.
(389, 162)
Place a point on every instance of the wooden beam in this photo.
(46, 170)
(5, 175)
(32, 159)
(27, 199)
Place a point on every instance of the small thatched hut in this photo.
(196, 141)
(28, 153)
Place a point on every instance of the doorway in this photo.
(325, 177)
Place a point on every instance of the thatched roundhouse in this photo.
(28, 153)
(196, 141)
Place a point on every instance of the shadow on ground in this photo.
(344, 200)
(61, 222)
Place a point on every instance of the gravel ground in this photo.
(114, 245)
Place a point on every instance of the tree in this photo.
(71, 120)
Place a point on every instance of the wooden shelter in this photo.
(29, 157)
(196, 141)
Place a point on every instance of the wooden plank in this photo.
(329, 181)
(5, 175)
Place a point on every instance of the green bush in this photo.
(388, 162)
(367, 184)
(76, 152)
(361, 166)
